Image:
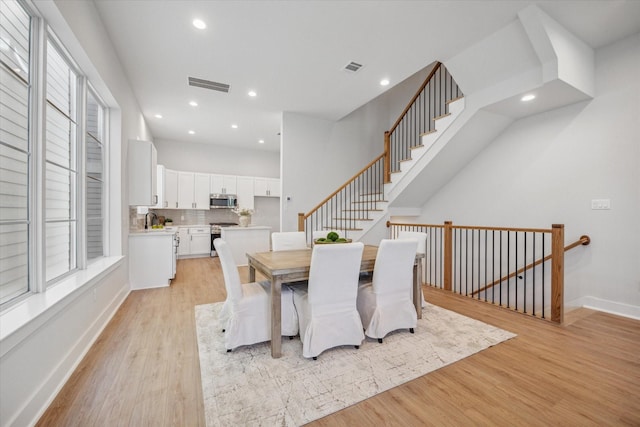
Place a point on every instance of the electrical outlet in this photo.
(600, 204)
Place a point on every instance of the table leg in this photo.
(276, 318)
(417, 288)
(252, 273)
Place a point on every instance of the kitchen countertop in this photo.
(250, 227)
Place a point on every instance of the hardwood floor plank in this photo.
(144, 369)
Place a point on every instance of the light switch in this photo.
(600, 204)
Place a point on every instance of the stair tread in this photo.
(441, 116)
(454, 99)
(429, 132)
(342, 229)
(415, 147)
(371, 201)
(352, 219)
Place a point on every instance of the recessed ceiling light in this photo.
(158, 116)
(384, 82)
(199, 24)
(529, 97)
(191, 132)
(234, 126)
(193, 103)
(261, 141)
(252, 93)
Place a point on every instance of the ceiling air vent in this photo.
(208, 84)
(352, 67)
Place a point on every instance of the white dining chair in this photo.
(249, 306)
(421, 237)
(288, 240)
(384, 304)
(327, 307)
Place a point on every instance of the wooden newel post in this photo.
(301, 222)
(557, 273)
(448, 255)
(387, 157)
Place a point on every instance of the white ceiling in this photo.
(292, 53)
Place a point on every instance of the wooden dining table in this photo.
(293, 266)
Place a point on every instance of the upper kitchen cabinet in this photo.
(267, 187)
(193, 190)
(142, 173)
(245, 192)
(223, 184)
(162, 200)
(171, 189)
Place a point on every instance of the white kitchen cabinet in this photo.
(161, 204)
(170, 189)
(151, 259)
(223, 184)
(193, 190)
(184, 247)
(266, 187)
(194, 241)
(245, 192)
(142, 157)
(200, 241)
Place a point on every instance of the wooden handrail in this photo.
(426, 82)
(584, 240)
(353, 178)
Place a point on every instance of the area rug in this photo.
(249, 388)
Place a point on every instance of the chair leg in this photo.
(229, 351)
(290, 337)
(411, 330)
(380, 340)
(357, 347)
(223, 330)
(315, 357)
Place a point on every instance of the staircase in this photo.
(362, 203)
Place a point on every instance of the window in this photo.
(61, 167)
(94, 149)
(15, 28)
(52, 207)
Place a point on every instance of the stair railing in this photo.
(508, 267)
(417, 119)
(352, 202)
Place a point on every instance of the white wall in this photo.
(318, 156)
(547, 168)
(192, 157)
(34, 370)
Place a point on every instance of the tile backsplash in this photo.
(267, 212)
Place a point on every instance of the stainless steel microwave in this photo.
(223, 201)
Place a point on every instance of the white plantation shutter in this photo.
(15, 26)
(61, 166)
(95, 176)
(57, 203)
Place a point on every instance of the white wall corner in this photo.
(563, 55)
(613, 307)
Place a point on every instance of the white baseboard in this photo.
(613, 307)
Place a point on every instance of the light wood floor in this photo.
(144, 369)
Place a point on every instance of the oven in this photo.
(216, 232)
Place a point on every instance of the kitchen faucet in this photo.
(145, 219)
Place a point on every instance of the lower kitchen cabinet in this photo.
(151, 259)
(194, 241)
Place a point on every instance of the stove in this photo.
(216, 232)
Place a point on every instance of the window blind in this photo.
(15, 26)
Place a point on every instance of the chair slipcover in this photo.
(327, 307)
(288, 240)
(384, 304)
(422, 249)
(249, 306)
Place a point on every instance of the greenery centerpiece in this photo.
(332, 237)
